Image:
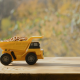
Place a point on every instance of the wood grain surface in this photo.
(50, 65)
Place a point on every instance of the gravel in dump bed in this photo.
(16, 38)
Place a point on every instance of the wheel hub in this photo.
(31, 58)
(5, 58)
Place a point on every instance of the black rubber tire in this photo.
(33, 57)
(6, 59)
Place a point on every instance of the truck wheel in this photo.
(6, 59)
(31, 58)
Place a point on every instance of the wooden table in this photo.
(58, 67)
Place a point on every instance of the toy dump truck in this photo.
(20, 51)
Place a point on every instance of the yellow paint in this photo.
(21, 48)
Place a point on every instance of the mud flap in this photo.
(12, 53)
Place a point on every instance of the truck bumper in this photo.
(41, 55)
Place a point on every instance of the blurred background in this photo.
(57, 20)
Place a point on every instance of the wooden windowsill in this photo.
(49, 68)
(46, 65)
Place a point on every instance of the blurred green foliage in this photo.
(59, 23)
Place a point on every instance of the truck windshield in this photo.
(34, 45)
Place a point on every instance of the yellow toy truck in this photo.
(21, 50)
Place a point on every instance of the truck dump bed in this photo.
(17, 45)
